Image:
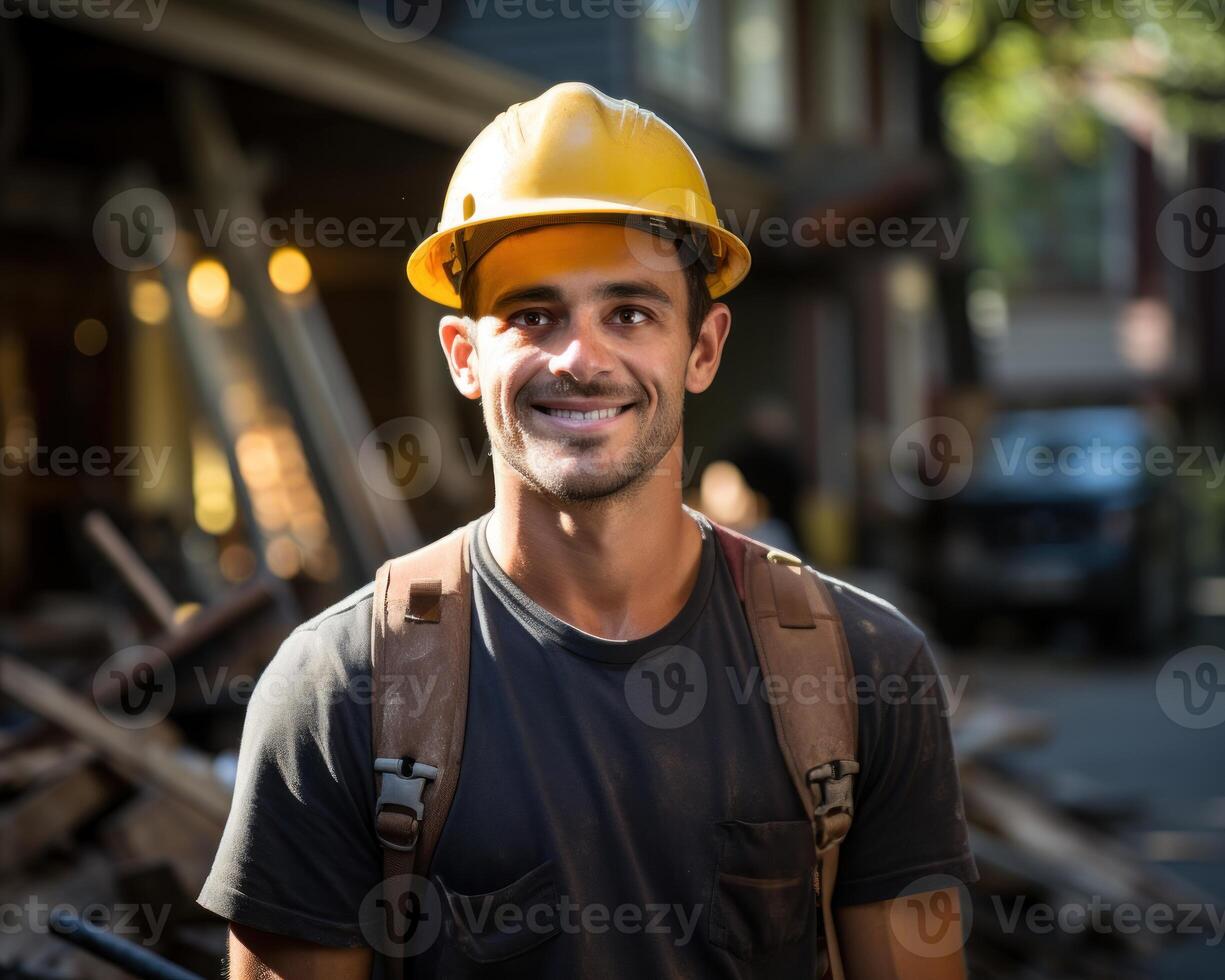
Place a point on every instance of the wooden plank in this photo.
(134, 755)
(207, 624)
(981, 729)
(155, 829)
(49, 812)
(21, 767)
(1094, 863)
(107, 538)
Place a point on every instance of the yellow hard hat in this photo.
(571, 155)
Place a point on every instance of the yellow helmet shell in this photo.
(572, 151)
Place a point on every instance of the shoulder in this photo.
(881, 639)
(341, 617)
(324, 656)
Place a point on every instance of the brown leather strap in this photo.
(420, 649)
(797, 633)
(419, 669)
(828, 864)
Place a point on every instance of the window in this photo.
(679, 52)
(761, 106)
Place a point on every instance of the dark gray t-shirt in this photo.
(622, 809)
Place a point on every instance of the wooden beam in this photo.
(134, 755)
(116, 549)
(48, 812)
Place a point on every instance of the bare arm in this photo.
(256, 955)
(916, 937)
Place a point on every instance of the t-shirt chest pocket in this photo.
(496, 927)
(763, 895)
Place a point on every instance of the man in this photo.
(580, 244)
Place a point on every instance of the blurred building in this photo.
(806, 117)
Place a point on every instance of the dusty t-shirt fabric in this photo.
(623, 808)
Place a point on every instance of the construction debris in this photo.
(109, 818)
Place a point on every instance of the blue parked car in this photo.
(1069, 512)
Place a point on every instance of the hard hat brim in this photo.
(427, 264)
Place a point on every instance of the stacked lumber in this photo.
(1058, 876)
(108, 830)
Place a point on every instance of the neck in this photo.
(620, 567)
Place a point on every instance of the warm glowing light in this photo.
(90, 337)
(322, 564)
(283, 556)
(185, 611)
(236, 562)
(289, 270)
(212, 488)
(1146, 335)
(149, 301)
(208, 288)
(725, 492)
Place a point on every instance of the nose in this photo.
(584, 353)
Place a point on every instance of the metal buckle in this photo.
(397, 789)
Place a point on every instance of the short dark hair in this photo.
(696, 291)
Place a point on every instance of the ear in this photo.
(708, 351)
(457, 334)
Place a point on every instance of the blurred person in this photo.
(726, 498)
(585, 319)
(765, 452)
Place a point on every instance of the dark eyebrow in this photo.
(627, 289)
(530, 294)
(635, 289)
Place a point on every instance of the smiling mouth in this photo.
(587, 416)
(593, 415)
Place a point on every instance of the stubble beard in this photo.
(576, 469)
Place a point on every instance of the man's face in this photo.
(582, 355)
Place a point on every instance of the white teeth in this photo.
(568, 413)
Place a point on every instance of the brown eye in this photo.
(631, 317)
(531, 318)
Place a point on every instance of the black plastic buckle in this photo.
(399, 790)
